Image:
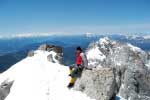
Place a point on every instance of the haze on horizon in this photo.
(74, 16)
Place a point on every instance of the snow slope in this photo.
(37, 79)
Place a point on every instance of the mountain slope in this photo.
(115, 68)
(35, 78)
(130, 66)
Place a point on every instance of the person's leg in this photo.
(72, 68)
(70, 71)
(72, 81)
(80, 69)
(75, 72)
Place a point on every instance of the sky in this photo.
(74, 16)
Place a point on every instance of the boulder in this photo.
(46, 47)
(31, 53)
(5, 89)
(57, 49)
(59, 58)
(50, 58)
(99, 84)
(43, 47)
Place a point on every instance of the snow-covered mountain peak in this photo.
(99, 51)
(104, 40)
(130, 63)
(37, 77)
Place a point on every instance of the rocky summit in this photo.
(116, 69)
(56, 49)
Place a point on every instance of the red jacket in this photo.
(78, 59)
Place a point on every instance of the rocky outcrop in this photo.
(50, 58)
(30, 53)
(5, 89)
(57, 49)
(46, 47)
(115, 69)
(99, 84)
(59, 58)
(130, 65)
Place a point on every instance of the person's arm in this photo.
(84, 60)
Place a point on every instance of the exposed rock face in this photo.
(99, 84)
(116, 68)
(50, 58)
(4, 90)
(31, 53)
(57, 49)
(59, 57)
(131, 68)
(46, 47)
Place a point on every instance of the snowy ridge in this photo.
(97, 51)
(35, 78)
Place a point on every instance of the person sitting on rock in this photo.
(76, 69)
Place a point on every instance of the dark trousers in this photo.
(76, 70)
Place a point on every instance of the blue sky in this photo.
(74, 16)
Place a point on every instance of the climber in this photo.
(76, 69)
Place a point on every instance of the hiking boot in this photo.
(70, 85)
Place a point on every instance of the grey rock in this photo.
(5, 89)
(99, 84)
(57, 49)
(46, 47)
(131, 68)
(59, 57)
(50, 58)
(31, 53)
(43, 47)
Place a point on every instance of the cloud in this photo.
(82, 29)
(26, 35)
